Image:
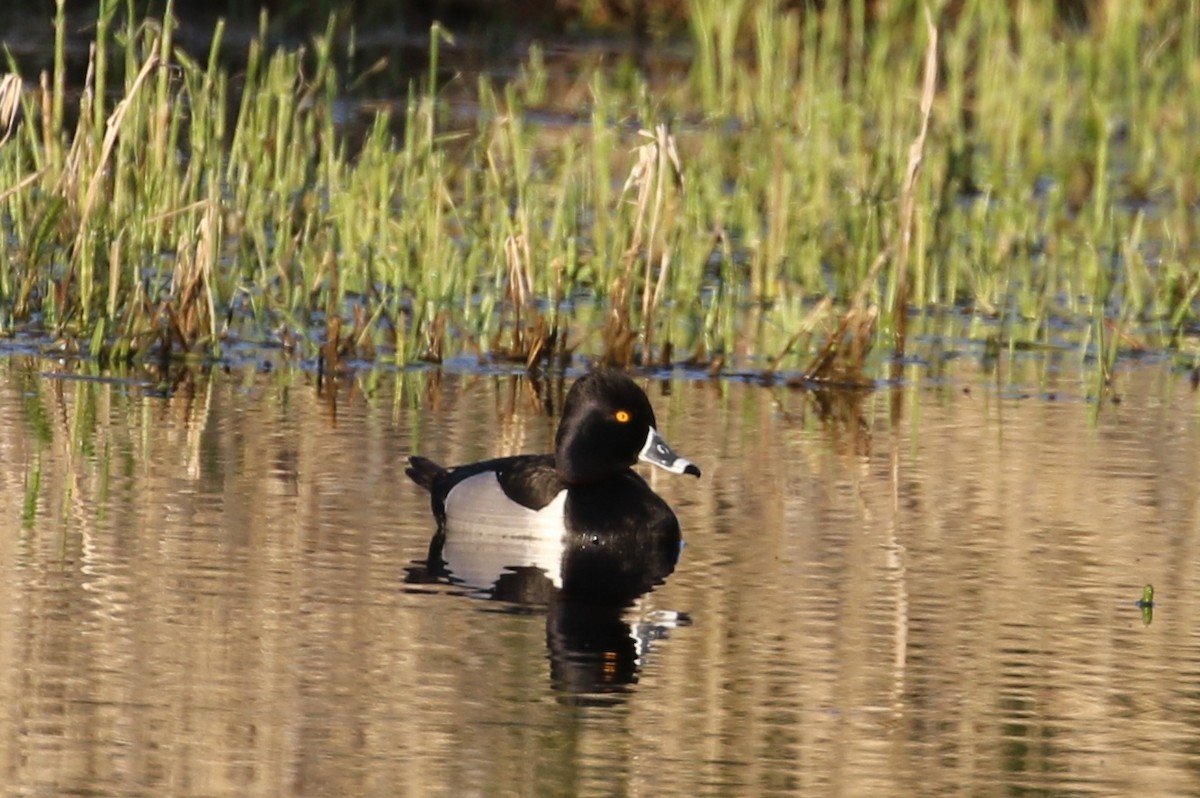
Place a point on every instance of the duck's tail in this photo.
(423, 471)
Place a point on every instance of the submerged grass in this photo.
(802, 197)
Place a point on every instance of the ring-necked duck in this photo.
(584, 498)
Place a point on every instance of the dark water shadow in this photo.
(595, 643)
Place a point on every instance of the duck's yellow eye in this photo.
(622, 416)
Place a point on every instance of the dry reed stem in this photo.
(840, 360)
(518, 285)
(908, 201)
(25, 181)
(49, 145)
(206, 253)
(112, 129)
(114, 274)
(618, 335)
(437, 335)
(665, 156)
(330, 362)
(10, 104)
(824, 366)
(530, 332)
(806, 326)
(657, 161)
(192, 311)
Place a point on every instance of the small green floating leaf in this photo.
(1146, 602)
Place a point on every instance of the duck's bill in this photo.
(658, 452)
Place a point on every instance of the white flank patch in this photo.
(488, 533)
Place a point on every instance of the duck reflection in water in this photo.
(595, 641)
(577, 530)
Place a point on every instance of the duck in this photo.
(580, 514)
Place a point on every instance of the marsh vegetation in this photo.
(785, 192)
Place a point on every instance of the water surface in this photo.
(929, 590)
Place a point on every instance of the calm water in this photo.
(929, 592)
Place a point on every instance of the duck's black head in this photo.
(607, 426)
